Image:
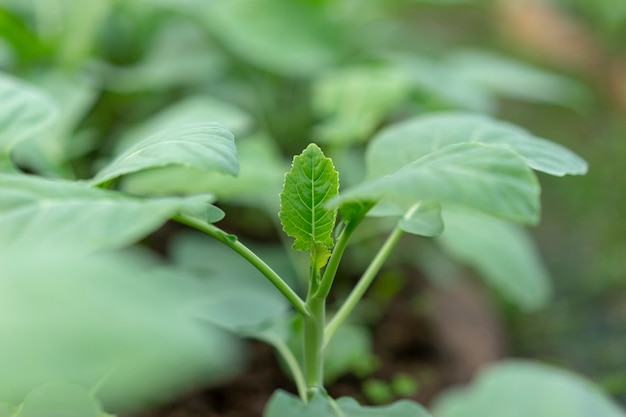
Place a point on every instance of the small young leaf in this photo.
(208, 147)
(491, 179)
(310, 183)
(406, 142)
(24, 111)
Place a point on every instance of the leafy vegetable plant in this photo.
(462, 170)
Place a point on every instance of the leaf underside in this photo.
(311, 182)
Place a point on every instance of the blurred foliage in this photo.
(281, 73)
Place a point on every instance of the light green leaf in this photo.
(179, 55)
(258, 184)
(438, 84)
(24, 112)
(208, 147)
(424, 220)
(292, 38)
(60, 400)
(40, 211)
(115, 322)
(196, 109)
(48, 153)
(354, 101)
(235, 295)
(525, 388)
(491, 179)
(282, 404)
(502, 253)
(7, 410)
(310, 183)
(402, 143)
(520, 80)
(199, 207)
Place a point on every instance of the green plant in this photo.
(451, 169)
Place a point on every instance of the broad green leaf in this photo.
(7, 410)
(491, 179)
(258, 183)
(41, 211)
(117, 322)
(282, 404)
(60, 400)
(520, 80)
(525, 388)
(311, 182)
(438, 85)
(195, 109)
(292, 38)
(236, 296)
(24, 112)
(208, 147)
(502, 253)
(48, 153)
(403, 143)
(354, 101)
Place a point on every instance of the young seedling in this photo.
(426, 173)
(464, 165)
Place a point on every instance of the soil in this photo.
(443, 346)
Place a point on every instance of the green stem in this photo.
(333, 263)
(251, 257)
(313, 346)
(364, 282)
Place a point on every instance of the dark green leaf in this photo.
(525, 388)
(208, 147)
(491, 179)
(403, 143)
(310, 183)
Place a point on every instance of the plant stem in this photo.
(364, 282)
(313, 345)
(335, 258)
(247, 254)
